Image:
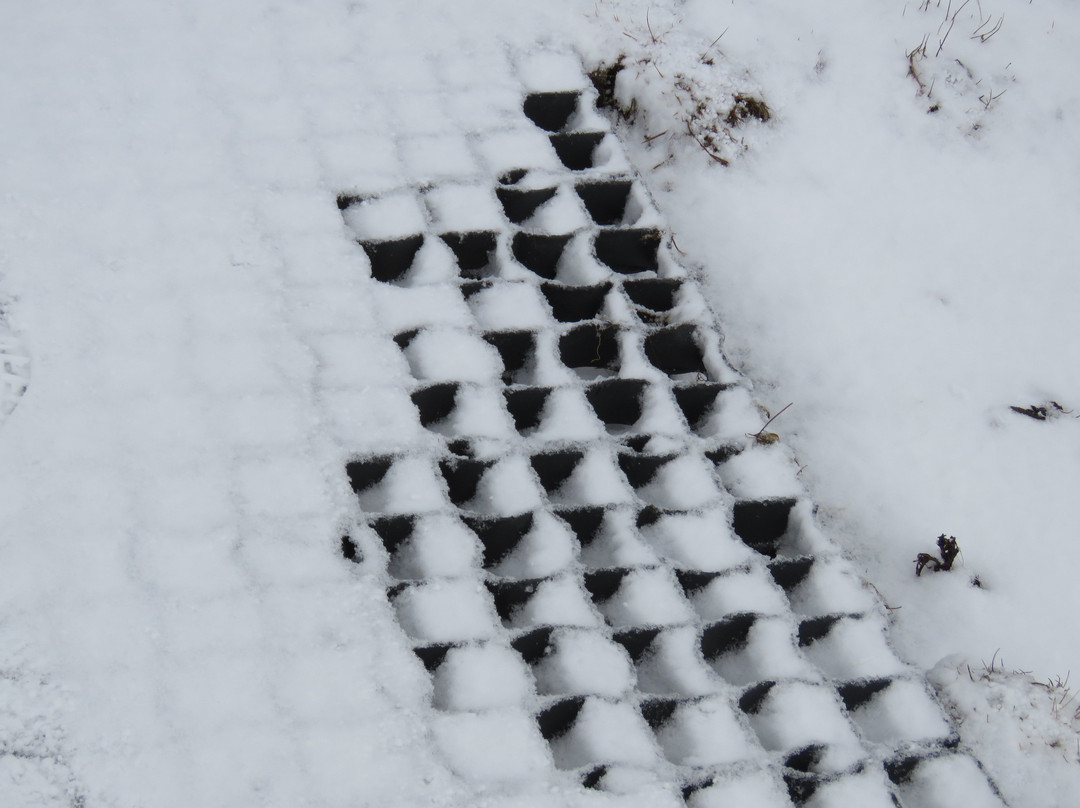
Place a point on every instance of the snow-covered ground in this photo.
(206, 351)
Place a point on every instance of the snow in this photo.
(193, 347)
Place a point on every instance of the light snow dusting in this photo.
(367, 434)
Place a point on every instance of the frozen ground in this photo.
(177, 625)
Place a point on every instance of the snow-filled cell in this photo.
(481, 677)
(595, 481)
(560, 214)
(616, 544)
(706, 733)
(547, 548)
(517, 148)
(463, 208)
(567, 416)
(868, 788)
(446, 611)
(427, 156)
(672, 665)
(447, 354)
(647, 598)
(795, 715)
(409, 486)
(440, 546)
(769, 653)
(684, 483)
(739, 592)
(478, 412)
(948, 781)
(508, 306)
(434, 262)
(559, 602)
(387, 217)
(420, 307)
(701, 541)
(605, 733)
(902, 712)
(854, 648)
(762, 472)
(507, 488)
(759, 789)
(493, 747)
(831, 587)
(551, 71)
(584, 663)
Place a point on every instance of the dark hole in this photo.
(403, 339)
(553, 468)
(654, 294)
(347, 200)
(390, 260)
(392, 592)
(514, 347)
(511, 595)
(575, 149)
(649, 515)
(603, 78)
(432, 655)
(696, 399)
(640, 469)
(368, 472)
(521, 203)
(551, 111)
(350, 551)
(616, 401)
(394, 530)
(470, 288)
(805, 759)
(513, 176)
(762, 523)
(816, 628)
(602, 584)
(557, 719)
(590, 346)
(539, 252)
(856, 694)
(461, 447)
(572, 304)
(754, 697)
(462, 476)
(721, 454)
(690, 790)
(636, 443)
(658, 712)
(472, 250)
(500, 535)
(730, 634)
(900, 769)
(637, 641)
(694, 580)
(628, 251)
(526, 404)
(800, 787)
(789, 574)
(592, 778)
(585, 522)
(605, 201)
(533, 645)
(435, 402)
(675, 350)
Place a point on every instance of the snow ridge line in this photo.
(606, 579)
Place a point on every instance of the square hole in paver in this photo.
(628, 251)
(572, 304)
(551, 111)
(592, 350)
(577, 150)
(539, 252)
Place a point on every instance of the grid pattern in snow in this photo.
(602, 574)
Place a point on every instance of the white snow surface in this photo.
(177, 626)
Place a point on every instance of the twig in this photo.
(773, 418)
(703, 145)
(712, 43)
(651, 138)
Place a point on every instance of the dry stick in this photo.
(702, 57)
(701, 143)
(651, 138)
(756, 434)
